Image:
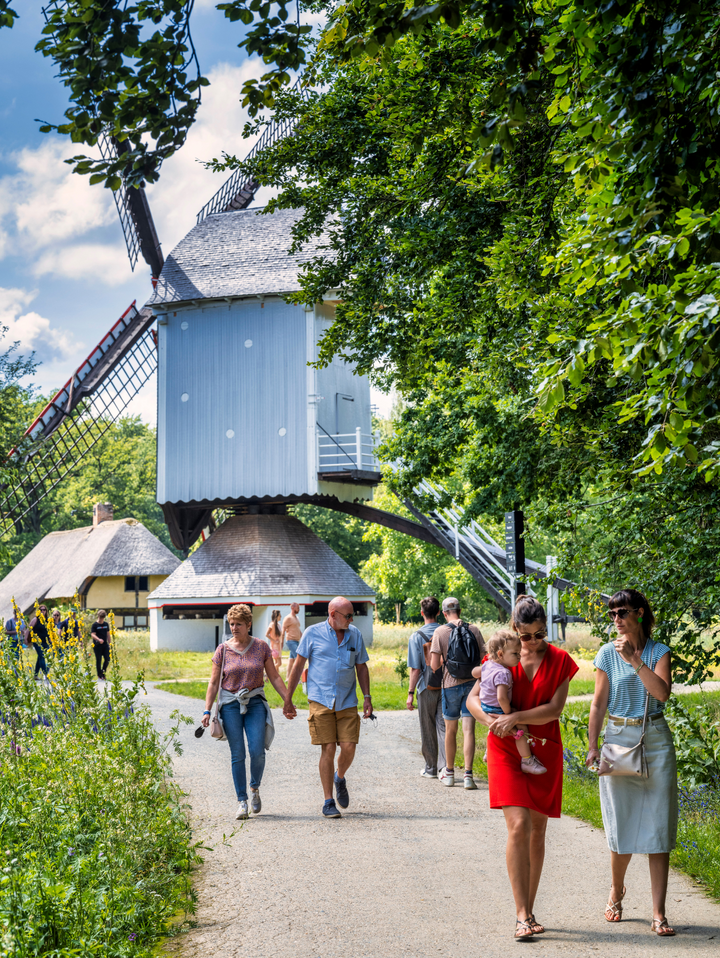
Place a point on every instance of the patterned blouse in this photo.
(243, 670)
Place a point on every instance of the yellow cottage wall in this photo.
(108, 592)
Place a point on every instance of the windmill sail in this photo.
(79, 415)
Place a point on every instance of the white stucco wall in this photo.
(182, 635)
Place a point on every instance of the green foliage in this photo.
(351, 538)
(96, 847)
(8, 16)
(401, 668)
(696, 733)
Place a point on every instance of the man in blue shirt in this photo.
(429, 701)
(335, 653)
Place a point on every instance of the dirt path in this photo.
(412, 869)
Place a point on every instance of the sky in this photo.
(64, 273)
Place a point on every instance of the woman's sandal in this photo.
(660, 927)
(613, 909)
(527, 933)
(537, 928)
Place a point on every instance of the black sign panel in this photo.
(515, 542)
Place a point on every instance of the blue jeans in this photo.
(40, 663)
(454, 701)
(253, 724)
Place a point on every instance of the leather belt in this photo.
(634, 721)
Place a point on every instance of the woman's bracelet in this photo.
(207, 712)
(639, 667)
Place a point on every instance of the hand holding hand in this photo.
(289, 710)
(503, 725)
(410, 704)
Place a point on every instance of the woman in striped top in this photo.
(640, 814)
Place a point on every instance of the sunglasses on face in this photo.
(526, 636)
(619, 613)
(348, 617)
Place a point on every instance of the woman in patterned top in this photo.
(640, 814)
(242, 704)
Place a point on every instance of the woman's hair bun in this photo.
(527, 610)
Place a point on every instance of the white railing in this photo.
(345, 451)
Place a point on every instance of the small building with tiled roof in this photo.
(113, 564)
(265, 561)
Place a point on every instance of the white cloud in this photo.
(33, 331)
(80, 260)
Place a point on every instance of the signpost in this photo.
(515, 548)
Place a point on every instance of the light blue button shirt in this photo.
(331, 667)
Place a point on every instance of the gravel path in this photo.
(412, 869)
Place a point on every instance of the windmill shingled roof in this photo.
(62, 561)
(262, 555)
(241, 253)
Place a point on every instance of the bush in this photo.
(96, 849)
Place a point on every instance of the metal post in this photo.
(457, 544)
(358, 447)
(137, 598)
(553, 599)
(515, 549)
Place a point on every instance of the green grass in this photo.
(582, 687)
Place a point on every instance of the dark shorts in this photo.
(454, 701)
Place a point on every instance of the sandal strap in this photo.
(525, 924)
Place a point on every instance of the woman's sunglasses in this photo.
(619, 613)
(526, 636)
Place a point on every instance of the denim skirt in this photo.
(640, 815)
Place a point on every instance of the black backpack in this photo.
(463, 652)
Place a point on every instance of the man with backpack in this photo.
(458, 648)
(428, 688)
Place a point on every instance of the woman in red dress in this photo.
(540, 687)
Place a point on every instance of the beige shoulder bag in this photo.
(621, 760)
(216, 726)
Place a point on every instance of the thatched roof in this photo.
(262, 556)
(62, 561)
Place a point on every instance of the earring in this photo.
(640, 619)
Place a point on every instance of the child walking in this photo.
(496, 684)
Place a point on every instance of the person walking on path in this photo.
(335, 652)
(15, 631)
(274, 637)
(38, 635)
(291, 634)
(100, 634)
(640, 815)
(540, 687)
(455, 690)
(238, 672)
(429, 701)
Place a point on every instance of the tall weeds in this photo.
(95, 848)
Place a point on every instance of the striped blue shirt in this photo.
(627, 693)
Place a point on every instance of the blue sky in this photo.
(64, 272)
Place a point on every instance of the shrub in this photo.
(95, 847)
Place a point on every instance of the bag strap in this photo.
(222, 671)
(645, 714)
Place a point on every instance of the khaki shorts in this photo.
(327, 726)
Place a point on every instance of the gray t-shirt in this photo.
(415, 658)
(440, 643)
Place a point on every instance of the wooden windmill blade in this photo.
(136, 219)
(79, 415)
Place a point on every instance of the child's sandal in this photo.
(520, 933)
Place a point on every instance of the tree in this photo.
(352, 539)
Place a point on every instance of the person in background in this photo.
(100, 634)
(274, 637)
(454, 695)
(291, 634)
(429, 701)
(640, 815)
(15, 632)
(337, 662)
(38, 636)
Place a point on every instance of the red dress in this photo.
(510, 786)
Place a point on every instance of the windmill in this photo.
(317, 444)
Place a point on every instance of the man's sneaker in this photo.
(242, 811)
(330, 809)
(447, 777)
(532, 766)
(341, 792)
(469, 781)
(255, 803)
(428, 772)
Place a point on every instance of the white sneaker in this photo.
(447, 778)
(469, 782)
(242, 811)
(255, 803)
(427, 774)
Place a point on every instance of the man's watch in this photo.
(367, 696)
